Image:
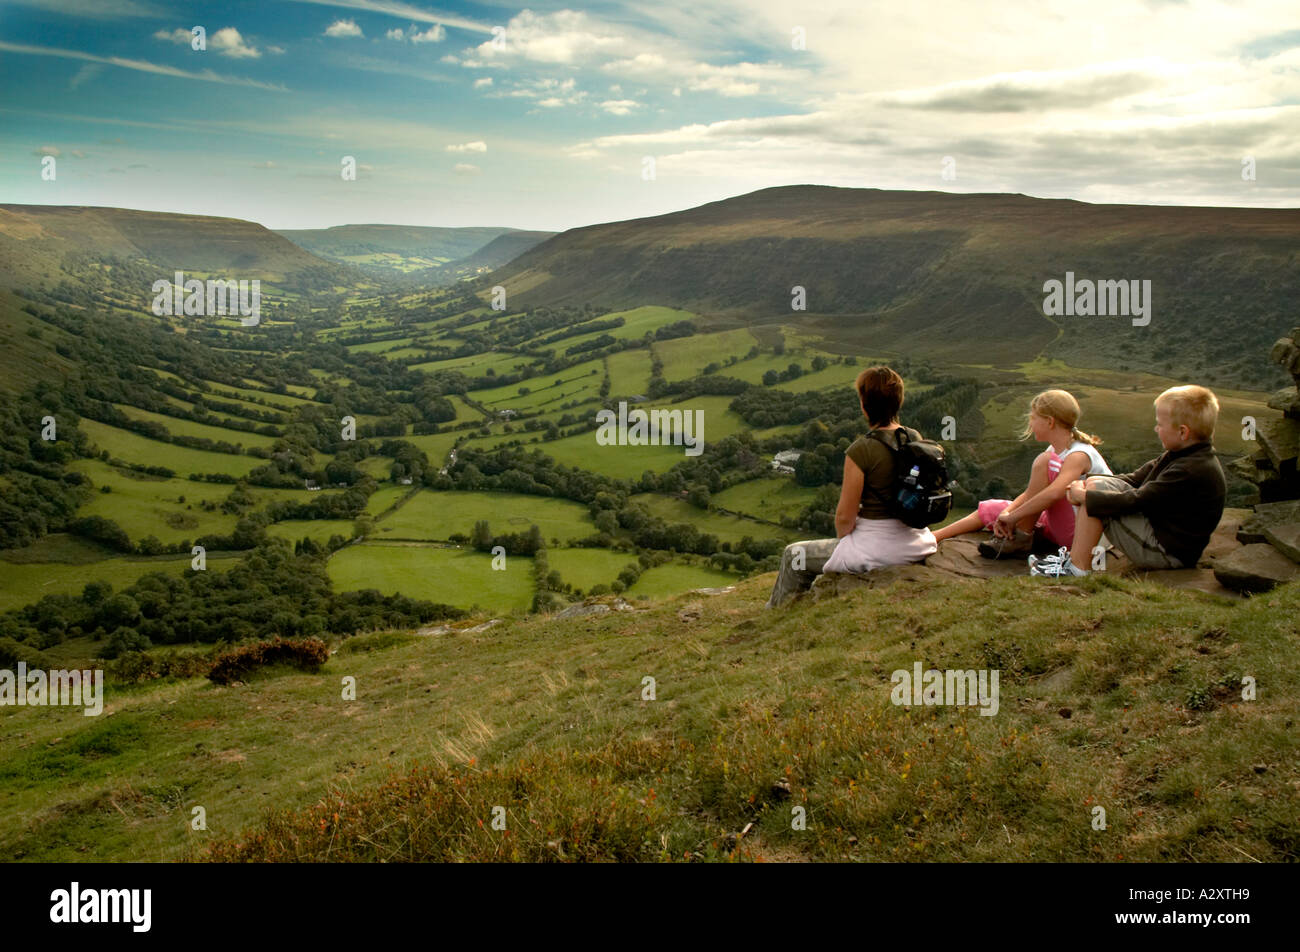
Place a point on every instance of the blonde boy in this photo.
(1162, 515)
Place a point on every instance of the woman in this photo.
(867, 537)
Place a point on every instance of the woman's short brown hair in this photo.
(880, 390)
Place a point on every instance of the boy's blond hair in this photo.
(1195, 407)
(1061, 406)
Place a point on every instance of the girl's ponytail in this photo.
(1082, 437)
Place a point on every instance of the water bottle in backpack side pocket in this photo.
(910, 495)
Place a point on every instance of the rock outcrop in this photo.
(1274, 465)
(1271, 536)
(959, 557)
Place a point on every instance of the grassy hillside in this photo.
(953, 277)
(1113, 693)
(196, 243)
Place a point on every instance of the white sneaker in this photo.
(1062, 555)
(1063, 568)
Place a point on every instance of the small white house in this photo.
(783, 462)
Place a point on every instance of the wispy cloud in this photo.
(404, 11)
(86, 74)
(143, 66)
(468, 147)
(95, 9)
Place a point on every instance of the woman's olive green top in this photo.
(877, 465)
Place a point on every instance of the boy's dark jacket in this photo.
(1181, 492)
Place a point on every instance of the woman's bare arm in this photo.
(846, 513)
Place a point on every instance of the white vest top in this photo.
(1096, 465)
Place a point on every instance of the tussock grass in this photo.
(1114, 693)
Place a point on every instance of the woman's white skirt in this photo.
(874, 543)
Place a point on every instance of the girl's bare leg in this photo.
(971, 523)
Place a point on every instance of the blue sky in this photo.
(544, 116)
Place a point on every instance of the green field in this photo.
(636, 323)
(769, 499)
(318, 530)
(123, 444)
(436, 446)
(629, 372)
(620, 462)
(282, 401)
(452, 576)
(436, 515)
(376, 346)
(384, 497)
(24, 582)
(178, 427)
(476, 365)
(677, 577)
(151, 506)
(726, 528)
(583, 568)
(580, 382)
(685, 357)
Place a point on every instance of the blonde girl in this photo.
(1053, 419)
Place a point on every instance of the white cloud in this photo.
(567, 36)
(483, 83)
(464, 168)
(53, 150)
(344, 28)
(619, 107)
(178, 35)
(396, 33)
(228, 42)
(434, 34)
(275, 49)
(477, 146)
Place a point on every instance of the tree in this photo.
(481, 537)
(94, 593)
(124, 640)
(119, 610)
(698, 495)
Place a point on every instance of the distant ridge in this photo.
(426, 254)
(37, 240)
(954, 276)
